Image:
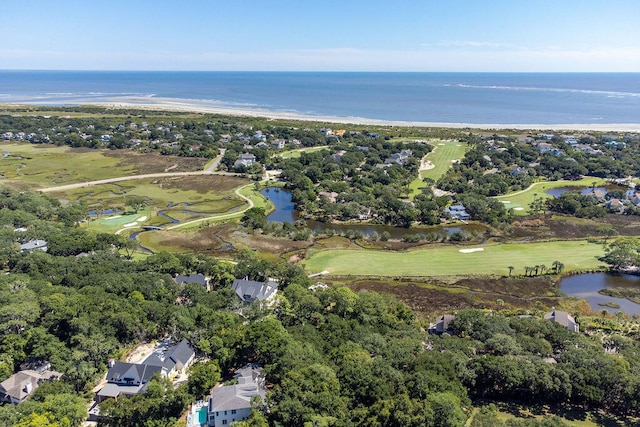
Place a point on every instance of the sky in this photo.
(322, 35)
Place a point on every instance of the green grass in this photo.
(298, 152)
(522, 199)
(442, 156)
(47, 165)
(447, 260)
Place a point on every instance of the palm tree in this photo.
(510, 270)
(543, 268)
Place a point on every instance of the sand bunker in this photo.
(142, 218)
(505, 201)
(131, 224)
(518, 209)
(468, 251)
(112, 217)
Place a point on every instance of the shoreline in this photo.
(198, 106)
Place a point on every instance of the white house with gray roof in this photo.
(231, 403)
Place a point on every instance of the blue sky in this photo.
(322, 35)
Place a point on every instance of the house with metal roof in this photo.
(233, 402)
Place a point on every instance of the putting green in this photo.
(448, 260)
(519, 201)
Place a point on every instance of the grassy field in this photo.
(441, 157)
(298, 152)
(448, 260)
(46, 165)
(520, 200)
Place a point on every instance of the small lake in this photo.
(285, 212)
(284, 208)
(586, 287)
(558, 191)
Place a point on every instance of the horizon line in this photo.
(310, 71)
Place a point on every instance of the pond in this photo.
(586, 287)
(284, 208)
(558, 191)
(285, 212)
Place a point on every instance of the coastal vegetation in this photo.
(96, 293)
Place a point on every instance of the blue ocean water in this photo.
(492, 98)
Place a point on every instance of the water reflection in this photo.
(586, 287)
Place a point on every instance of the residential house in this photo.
(259, 136)
(251, 290)
(597, 193)
(458, 212)
(31, 245)
(518, 171)
(338, 156)
(615, 205)
(442, 325)
(326, 131)
(128, 379)
(330, 196)
(231, 403)
(278, 144)
(563, 318)
(199, 278)
(399, 158)
(245, 159)
(17, 388)
(174, 360)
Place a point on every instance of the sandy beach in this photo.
(199, 106)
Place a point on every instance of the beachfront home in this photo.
(231, 403)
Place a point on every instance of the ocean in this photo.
(474, 98)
